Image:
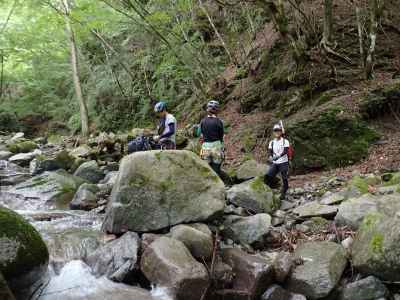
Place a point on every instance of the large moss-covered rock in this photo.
(22, 146)
(330, 139)
(253, 195)
(375, 249)
(159, 189)
(322, 267)
(59, 160)
(23, 254)
(90, 171)
(369, 288)
(251, 169)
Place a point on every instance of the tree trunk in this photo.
(360, 35)
(373, 32)
(328, 22)
(75, 71)
(1, 74)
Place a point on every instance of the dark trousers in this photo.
(168, 145)
(276, 169)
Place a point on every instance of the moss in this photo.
(31, 254)
(259, 186)
(394, 179)
(324, 98)
(158, 155)
(360, 183)
(22, 147)
(376, 244)
(371, 220)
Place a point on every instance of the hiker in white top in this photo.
(166, 128)
(278, 150)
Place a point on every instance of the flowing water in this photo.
(70, 237)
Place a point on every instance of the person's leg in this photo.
(284, 170)
(271, 173)
(216, 167)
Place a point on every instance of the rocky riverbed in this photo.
(162, 225)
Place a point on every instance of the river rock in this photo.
(197, 238)
(83, 151)
(5, 292)
(4, 155)
(276, 292)
(167, 262)
(17, 136)
(370, 288)
(322, 268)
(110, 178)
(116, 260)
(85, 198)
(283, 265)
(50, 189)
(12, 174)
(253, 195)
(23, 254)
(253, 274)
(251, 169)
(353, 211)
(75, 282)
(247, 230)
(159, 189)
(90, 171)
(330, 198)
(375, 250)
(21, 146)
(59, 160)
(315, 209)
(23, 159)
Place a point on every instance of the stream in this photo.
(70, 237)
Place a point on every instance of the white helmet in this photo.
(277, 127)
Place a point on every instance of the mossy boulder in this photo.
(5, 292)
(375, 249)
(60, 160)
(90, 171)
(253, 195)
(159, 189)
(23, 253)
(331, 139)
(22, 146)
(251, 169)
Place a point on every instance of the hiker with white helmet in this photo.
(166, 128)
(278, 152)
(212, 131)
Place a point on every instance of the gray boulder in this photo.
(253, 195)
(251, 169)
(322, 268)
(81, 152)
(12, 174)
(23, 253)
(23, 159)
(253, 274)
(197, 238)
(159, 189)
(276, 292)
(59, 160)
(90, 171)
(116, 260)
(247, 230)
(85, 198)
(369, 288)
(375, 250)
(315, 209)
(4, 155)
(330, 198)
(283, 265)
(167, 262)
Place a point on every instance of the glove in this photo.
(156, 138)
(276, 157)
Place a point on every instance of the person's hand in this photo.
(156, 138)
(275, 157)
(270, 159)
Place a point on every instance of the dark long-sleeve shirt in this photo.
(212, 129)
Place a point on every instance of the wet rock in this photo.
(42, 163)
(17, 136)
(22, 146)
(4, 155)
(314, 209)
(23, 253)
(75, 282)
(85, 198)
(168, 263)
(322, 266)
(197, 238)
(369, 288)
(247, 230)
(12, 174)
(159, 189)
(375, 249)
(23, 159)
(251, 169)
(116, 260)
(50, 189)
(253, 274)
(276, 292)
(90, 171)
(110, 178)
(5, 292)
(253, 195)
(353, 211)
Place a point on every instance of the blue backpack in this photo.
(140, 143)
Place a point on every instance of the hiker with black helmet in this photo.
(278, 157)
(166, 128)
(212, 131)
